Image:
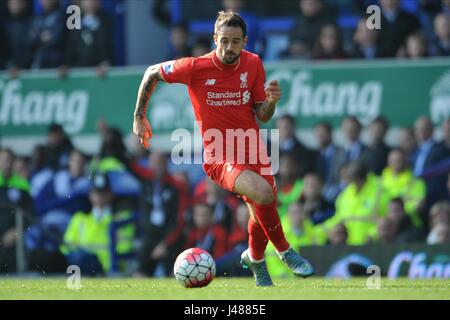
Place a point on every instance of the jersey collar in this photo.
(222, 66)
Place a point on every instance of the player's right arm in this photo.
(141, 126)
(175, 71)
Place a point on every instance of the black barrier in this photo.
(394, 260)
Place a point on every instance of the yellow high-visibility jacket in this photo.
(93, 235)
(359, 210)
(406, 186)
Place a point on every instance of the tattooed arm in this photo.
(141, 126)
(265, 110)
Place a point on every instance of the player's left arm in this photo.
(265, 110)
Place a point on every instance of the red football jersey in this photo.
(223, 97)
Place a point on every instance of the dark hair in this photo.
(338, 52)
(55, 128)
(399, 201)
(325, 125)
(79, 152)
(287, 117)
(203, 203)
(354, 120)
(181, 26)
(382, 120)
(230, 19)
(399, 150)
(357, 170)
(9, 152)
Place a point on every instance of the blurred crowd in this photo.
(33, 33)
(31, 40)
(127, 210)
(337, 30)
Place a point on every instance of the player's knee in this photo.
(264, 195)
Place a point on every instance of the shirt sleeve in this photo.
(258, 92)
(177, 71)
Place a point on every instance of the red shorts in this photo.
(225, 174)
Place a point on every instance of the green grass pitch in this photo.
(223, 288)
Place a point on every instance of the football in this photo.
(194, 268)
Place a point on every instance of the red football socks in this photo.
(257, 240)
(270, 223)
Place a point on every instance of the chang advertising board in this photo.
(401, 91)
(395, 260)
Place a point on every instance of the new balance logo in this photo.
(210, 82)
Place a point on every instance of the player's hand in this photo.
(141, 127)
(273, 92)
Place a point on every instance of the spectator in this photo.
(162, 213)
(312, 16)
(201, 47)
(355, 150)
(59, 147)
(18, 45)
(67, 191)
(216, 199)
(183, 178)
(48, 36)
(440, 223)
(21, 168)
(440, 234)
(416, 46)
(408, 144)
(239, 234)
(405, 231)
(316, 207)
(113, 154)
(92, 46)
(448, 187)
(3, 45)
(359, 205)
(63, 194)
(338, 235)
(445, 6)
(399, 182)
(179, 42)
(365, 41)
(429, 152)
(40, 171)
(290, 144)
(440, 214)
(13, 195)
(290, 185)
(396, 24)
(206, 234)
(329, 160)
(445, 144)
(442, 33)
(328, 45)
(237, 242)
(8, 176)
(378, 150)
(87, 238)
(385, 230)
